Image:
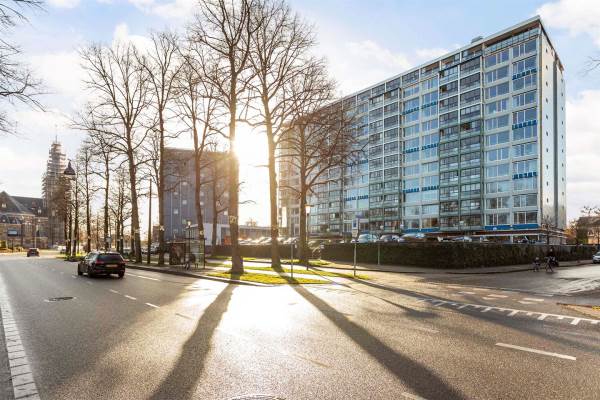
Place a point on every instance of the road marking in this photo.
(500, 296)
(530, 350)
(488, 298)
(151, 305)
(542, 317)
(113, 291)
(412, 396)
(532, 299)
(144, 277)
(526, 302)
(466, 292)
(73, 276)
(575, 321)
(184, 316)
(462, 306)
(89, 283)
(513, 313)
(486, 309)
(129, 297)
(22, 379)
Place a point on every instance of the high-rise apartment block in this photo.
(471, 142)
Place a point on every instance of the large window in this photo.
(431, 83)
(497, 187)
(524, 48)
(525, 217)
(496, 58)
(470, 112)
(525, 184)
(524, 98)
(525, 82)
(497, 219)
(410, 104)
(471, 189)
(497, 154)
(469, 97)
(429, 97)
(412, 170)
(496, 122)
(525, 200)
(428, 125)
(525, 166)
(390, 134)
(411, 117)
(499, 73)
(525, 115)
(496, 203)
(496, 90)
(470, 205)
(411, 90)
(525, 149)
(430, 167)
(470, 173)
(391, 108)
(496, 106)
(496, 171)
(411, 130)
(470, 81)
(525, 132)
(524, 65)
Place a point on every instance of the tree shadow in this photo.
(415, 375)
(183, 378)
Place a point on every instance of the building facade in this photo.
(471, 142)
(52, 181)
(179, 198)
(23, 222)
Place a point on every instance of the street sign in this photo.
(355, 228)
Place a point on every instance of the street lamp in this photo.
(70, 173)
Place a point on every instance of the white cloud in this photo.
(121, 35)
(64, 3)
(430, 54)
(176, 9)
(576, 16)
(583, 142)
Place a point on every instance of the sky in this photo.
(364, 42)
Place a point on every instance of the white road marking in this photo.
(89, 283)
(144, 277)
(542, 317)
(575, 321)
(151, 305)
(486, 309)
(595, 322)
(530, 350)
(22, 379)
(113, 291)
(500, 296)
(513, 313)
(73, 276)
(526, 302)
(412, 396)
(532, 299)
(466, 292)
(462, 306)
(129, 297)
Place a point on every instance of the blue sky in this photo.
(364, 41)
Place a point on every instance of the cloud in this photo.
(121, 35)
(176, 9)
(576, 16)
(64, 3)
(583, 142)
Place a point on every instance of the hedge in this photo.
(256, 251)
(450, 254)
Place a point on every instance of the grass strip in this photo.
(301, 270)
(266, 279)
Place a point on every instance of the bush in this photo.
(256, 251)
(451, 255)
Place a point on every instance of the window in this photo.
(391, 108)
(448, 192)
(411, 211)
(414, 197)
(497, 171)
(496, 58)
(449, 73)
(449, 118)
(525, 149)
(429, 97)
(470, 81)
(525, 217)
(410, 104)
(411, 157)
(376, 163)
(393, 84)
(376, 101)
(496, 107)
(469, 97)
(429, 167)
(497, 154)
(446, 104)
(470, 112)
(497, 187)
(497, 219)
(430, 209)
(449, 89)
(470, 127)
(390, 134)
(471, 189)
(449, 162)
(391, 173)
(376, 114)
(525, 132)
(428, 125)
(497, 90)
(496, 122)
(391, 95)
(470, 65)
(430, 111)
(525, 184)
(524, 99)
(449, 133)
(525, 82)
(430, 139)
(411, 143)
(529, 114)
(493, 76)
(431, 83)
(524, 65)
(524, 48)
(390, 121)
(375, 151)
(391, 160)
(411, 130)
(411, 170)
(449, 206)
(432, 180)
(411, 90)
(470, 158)
(449, 177)
(525, 200)
(496, 203)
(430, 222)
(430, 153)
(411, 117)
(470, 205)
(470, 173)
(523, 167)
(390, 147)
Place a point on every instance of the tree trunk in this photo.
(303, 246)
(160, 186)
(135, 217)
(237, 264)
(76, 225)
(275, 257)
(215, 212)
(197, 181)
(106, 195)
(70, 241)
(88, 225)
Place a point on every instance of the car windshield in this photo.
(110, 257)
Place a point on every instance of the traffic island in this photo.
(267, 279)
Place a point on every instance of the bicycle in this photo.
(550, 261)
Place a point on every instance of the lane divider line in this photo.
(130, 297)
(113, 291)
(152, 305)
(542, 352)
(22, 379)
(532, 299)
(412, 396)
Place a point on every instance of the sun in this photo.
(250, 147)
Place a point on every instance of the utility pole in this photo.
(149, 222)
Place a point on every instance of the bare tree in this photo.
(120, 205)
(121, 86)
(200, 112)
(320, 138)
(88, 186)
(281, 48)
(221, 36)
(17, 83)
(592, 221)
(162, 65)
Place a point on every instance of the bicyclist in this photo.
(551, 257)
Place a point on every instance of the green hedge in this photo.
(256, 251)
(452, 255)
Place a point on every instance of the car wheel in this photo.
(121, 274)
(89, 272)
(79, 271)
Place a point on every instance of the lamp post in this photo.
(307, 213)
(186, 253)
(461, 224)
(71, 175)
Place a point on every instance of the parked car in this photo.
(596, 258)
(102, 263)
(33, 252)
(413, 237)
(462, 239)
(367, 238)
(389, 238)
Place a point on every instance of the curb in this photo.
(190, 275)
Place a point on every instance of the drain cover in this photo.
(52, 299)
(257, 397)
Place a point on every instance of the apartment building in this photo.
(471, 142)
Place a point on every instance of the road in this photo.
(156, 336)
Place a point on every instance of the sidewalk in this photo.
(418, 270)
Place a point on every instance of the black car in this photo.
(33, 252)
(107, 263)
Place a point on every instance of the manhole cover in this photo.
(257, 397)
(52, 299)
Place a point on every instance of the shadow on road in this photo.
(419, 378)
(184, 376)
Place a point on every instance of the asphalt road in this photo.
(156, 336)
